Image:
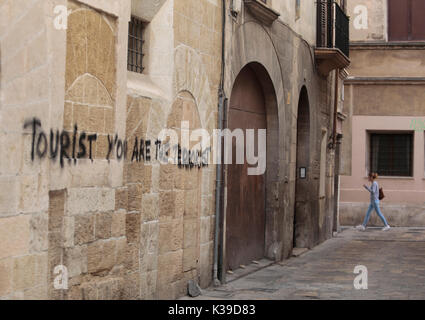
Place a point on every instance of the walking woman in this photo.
(374, 203)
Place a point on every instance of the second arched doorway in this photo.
(302, 216)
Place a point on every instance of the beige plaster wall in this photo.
(387, 62)
(377, 16)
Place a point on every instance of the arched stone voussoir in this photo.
(260, 51)
(190, 75)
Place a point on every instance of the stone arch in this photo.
(91, 48)
(194, 79)
(180, 197)
(90, 76)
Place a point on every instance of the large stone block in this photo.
(100, 256)
(118, 224)
(135, 197)
(14, 236)
(206, 264)
(89, 291)
(150, 261)
(68, 232)
(24, 272)
(191, 233)
(192, 204)
(170, 268)
(6, 272)
(81, 116)
(149, 237)
(110, 289)
(55, 253)
(102, 148)
(166, 205)
(132, 227)
(131, 286)
(38, 232)
(103, 225)
(166, 176)
(75, 259)
(150, 210)
(56, 209)
(30, 193)
(205, 229)
(96, 119)
(190, 258)
(84, 229)
(83, 200)
(170, 236)
(36, 293)
(151, 285)
(121, 198)
(131, 258)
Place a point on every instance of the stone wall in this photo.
(28, 88)
(123, 228)
(74, 191)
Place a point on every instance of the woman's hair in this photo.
(373, 175)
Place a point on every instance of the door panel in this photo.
(245, 220)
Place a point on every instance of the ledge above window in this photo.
(329, 59)
(262, 11)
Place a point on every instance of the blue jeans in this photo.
(374, 205)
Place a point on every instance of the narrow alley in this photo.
(394, 261)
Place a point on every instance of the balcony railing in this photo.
(332, 26)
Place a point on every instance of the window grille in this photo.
(135, 45)
(391, 154)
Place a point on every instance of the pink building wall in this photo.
(404, 201)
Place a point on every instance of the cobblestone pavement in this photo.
(395, 261)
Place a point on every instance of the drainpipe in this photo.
(334, 137)
(219, 167)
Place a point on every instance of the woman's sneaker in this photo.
(386, 228)
(361, 227)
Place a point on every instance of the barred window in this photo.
(135, 45)
(391, 154)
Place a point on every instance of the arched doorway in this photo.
(180, 204)
(253, 105)
(302, 217)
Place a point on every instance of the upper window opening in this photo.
(135, 45)
(406, 20)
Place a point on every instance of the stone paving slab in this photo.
(395, 260)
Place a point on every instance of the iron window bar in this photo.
(135, 45)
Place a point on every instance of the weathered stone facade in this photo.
(284, 63)
(80, 182)
(125, 228)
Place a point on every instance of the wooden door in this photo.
(245, 220)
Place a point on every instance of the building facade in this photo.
(88, 208)
(384, 94)
(283, 73)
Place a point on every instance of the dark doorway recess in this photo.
(302, 217)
